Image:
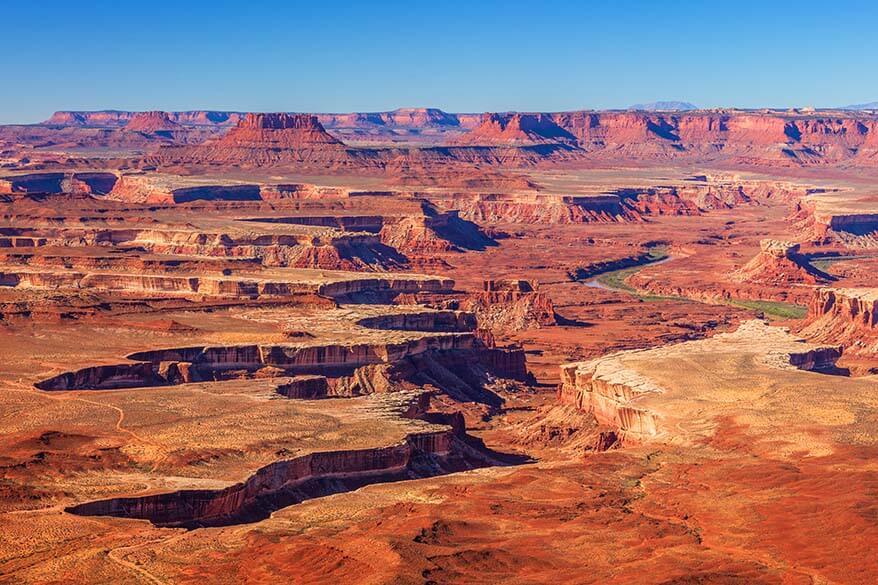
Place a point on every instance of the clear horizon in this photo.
(459, 57)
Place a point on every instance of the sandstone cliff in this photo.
(847, 316)
(435, 449)
(616, 392)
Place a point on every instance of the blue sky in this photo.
(459, 56)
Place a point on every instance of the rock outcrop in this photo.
(151, 123)
(847, 316)
(433, 231)
(288, 131)
(263, 140)
(608, 390)
(511, 305)
(516, 129)
(304, 387)
(779, 263)
(299, 285)
(147, 368)
(428, 321)
(591, 269)
(838, 216)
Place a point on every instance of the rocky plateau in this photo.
(415, 346)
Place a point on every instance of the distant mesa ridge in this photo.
(402, 117)
(405, 117)
(751, 137)
(664, 106)
(867, 106)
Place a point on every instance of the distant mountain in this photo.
(664, 107)
(869, 106)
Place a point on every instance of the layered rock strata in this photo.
(149, 188)
(766, 138)
(510, 305)
(439, 450)
(623, 204)
(618, 395)
(848, 316)
(459, 343)
(306, 248)
(218, 286)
